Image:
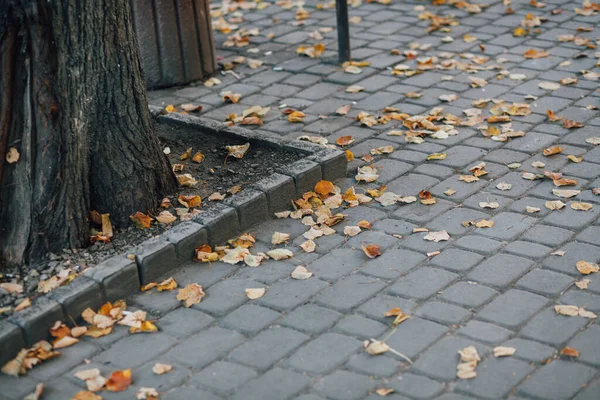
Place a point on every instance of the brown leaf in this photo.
(296, 116)
(343, 110)
(371, 250)
(344, 140)
(552, 150)
(553, 117)
(12, 287)
(230, 97)
(586, 267)
(141, 220)
(85, 395)
(554, 205)
(533, 53)
(238, 151)
(570, 124)
(569, 352)
(191, 294)
(119, 381)
(189, 201)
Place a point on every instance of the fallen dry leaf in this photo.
(119, 381)
(308, 246)
(141, 220)
(371, 250)
(437, 236)
(437, 156)
(583, 284)
(344, 140)
(532, 210)
(85, 395)
(376, 347)
(569, 352)
(191, 294)
(352, 230)
(255, 293)
(549, 85)
(384, 391)
(63, 342)
(165, 217)
(367, 174)
(565, 193)
(160, 369)
(279, 237)
(23, 305)
(503, 186)
(468, 178)
(145, 393)
(580, 206)
(552, 150)
(238, 151)
(573, 311)
(280, 254)
(12, 155)
(501, 351)
(554, 205)
(586, 267)
(354, 89)
(190, 201)
(571, 124)
(301, 273)
(484, 224)
(492, 204)
(574, 158)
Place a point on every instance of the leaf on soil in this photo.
(586, 267)
(141, 220)
(371, 250)
(160, 369)
(186, 180)
(580, 206)
(255, 293)
(191, 294)
(301, 273)
(23, 305)
(12, 287)
(165, 217)
(119, 381)
(280, 254)
(501, 351)
(437, 236)
(238, 151)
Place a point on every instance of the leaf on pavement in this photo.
(501, 351)
(580, 206)
(119, 381)
(191, 294)
(301, 273)
(160, 369)
(255, 293)
(586, 267)
(371, 250)
(437, 236)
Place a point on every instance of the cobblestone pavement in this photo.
(487, 287)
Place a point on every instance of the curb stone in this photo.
(120, 276)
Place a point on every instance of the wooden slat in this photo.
(169, 43)
(205, 38)
(189, 40)
(143, 19)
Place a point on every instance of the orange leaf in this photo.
(60, 330)
(565, 182)
(372, 250)
(553, 117)
(349, 155)
(552, 150)
(189, 201)
(364, 224)
(569, 352)
(324, 188)
(119, 381)
(533, 53)
(141, 220)
(570, 124)
(344, 140)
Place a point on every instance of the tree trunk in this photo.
(73, 104)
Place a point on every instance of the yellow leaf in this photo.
(586, 267)
(168, 284)
(141, 220)
(575, 159)
(437, 156)
(12, 156)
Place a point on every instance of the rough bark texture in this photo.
(73, 103)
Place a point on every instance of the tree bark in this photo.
(73, 103)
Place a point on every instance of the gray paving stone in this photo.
(478, 244)
(507, 226)
(443, 312)
(422, 283)
(496, 377)
(184, 322)
(145, 377)
(394, 227)
(544, 282)
(586, 343)
(411, 184)
(250, 318)
(311, 319)
(360, 327)
(574, 252)
(69, 358)
(554, 329)
(415, 336)
(268, 347)
(530, 350)
(270, 271)
(500, 270)
(463, 189)
(528, 249)
(512, 308)
(308, 357)
(344, 385)
(135, 350)
(456, 260)
(584, 298)
(591, 391)
(392, 263)
(374, 366)
(223, 377)
(275, 384)
(377, 306)
(416, 386)
(290, 293)
(543, 383)
(571, 219)
(184, 392)
(420, 214)
(204, 274)
(205, 347)
(468, 294)
(383, 240)
(440, 360)
(225, 296)
(484, 332)
(349, 292)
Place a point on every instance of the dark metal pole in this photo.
(341, 7)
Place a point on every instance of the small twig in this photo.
(408, 360)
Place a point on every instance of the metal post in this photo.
(341, 7)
